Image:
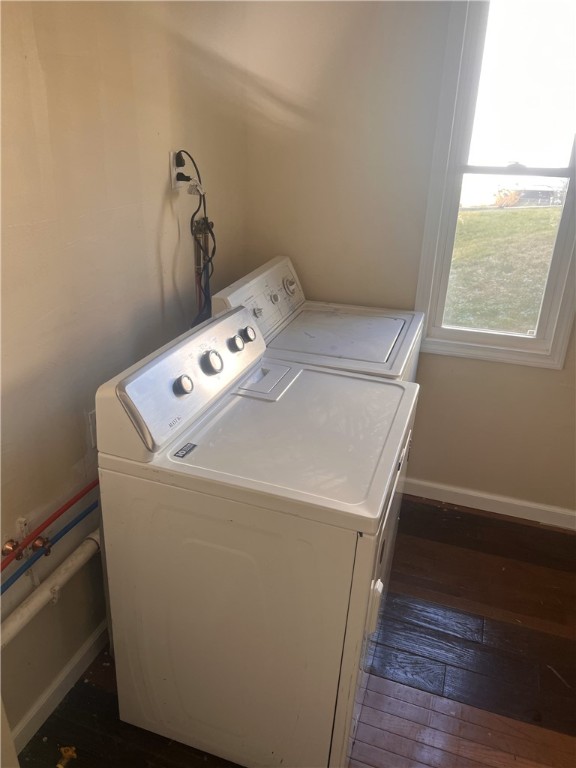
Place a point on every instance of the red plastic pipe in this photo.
(42, 527)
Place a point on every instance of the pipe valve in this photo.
(41, 543)
(10, 546)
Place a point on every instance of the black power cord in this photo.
(201, 230)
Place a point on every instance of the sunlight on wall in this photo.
(262, 55)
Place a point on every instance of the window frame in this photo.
(547, 348)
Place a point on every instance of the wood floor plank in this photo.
(527, 589)
(532, 751)
(96, 748)
(375, 757)
(399, 691)
(418, 672)
(411, 748)
(406, 584)
(526, 641)
(480, 734)
(556, 656)
(511, 700)
(558, 679)
(356, 764)
(405, 709)
(422, 613)
(515, 728)
(536, 544)
(376, 728)
(458, 652)
(554, 740)
(88, 719)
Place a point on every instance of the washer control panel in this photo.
(271, 293)
(172, 387)
(211, 362)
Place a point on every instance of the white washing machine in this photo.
(383, 342)
(249, 507)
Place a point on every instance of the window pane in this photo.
(505, 236)
(526, 108)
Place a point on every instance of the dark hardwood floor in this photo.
(401, 727)
(503, 668)
(474, 661)
(503, 569)
(475, 658)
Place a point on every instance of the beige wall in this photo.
(96, 255)
(504, 430)
(95, 274)
(340, 185)
(313, 127)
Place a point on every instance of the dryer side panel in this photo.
(228, 621)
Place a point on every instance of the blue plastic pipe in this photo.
(41, 552)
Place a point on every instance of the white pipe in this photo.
(48, 590)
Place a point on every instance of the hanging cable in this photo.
(202, 231)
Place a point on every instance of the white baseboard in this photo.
(502, 505)
(43, 707)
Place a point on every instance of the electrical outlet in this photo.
(173, 171)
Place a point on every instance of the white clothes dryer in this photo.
(384, 342)
(248, 508)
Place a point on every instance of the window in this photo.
(497, 273)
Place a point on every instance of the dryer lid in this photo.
(365, 337)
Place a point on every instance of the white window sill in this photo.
(532, 356)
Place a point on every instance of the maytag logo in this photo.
(185, 450)
(174, 421)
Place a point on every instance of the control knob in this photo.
(289, 285)
(257, 311)
(236, 343)
(212, 362)
(274, 298)
(248, 334)
(183, 385)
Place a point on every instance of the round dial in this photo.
(274, 298)
(257, 311)
(236, 343)
(183, 385)
(248, 333)
(212, 362)
(289, 285)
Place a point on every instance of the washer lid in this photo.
(330, 439)
(364, 337)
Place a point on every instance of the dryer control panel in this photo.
(271, 293)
